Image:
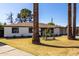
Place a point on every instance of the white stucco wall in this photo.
(64, 31)
(22, 31)
(56, 31)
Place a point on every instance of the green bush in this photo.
(14, 36)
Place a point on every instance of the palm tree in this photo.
(74, 20)
(36, 39)
(69, 21)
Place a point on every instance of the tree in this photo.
(69, 20)
(74, 20)
(36, 39)
(50, 30)
(10, 17)
(47, 33)
(51, 23)
(18, 19)
(24, 15)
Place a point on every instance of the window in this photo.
(15, 30)
(30, 30)
(52, 30)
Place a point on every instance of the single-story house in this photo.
(26, 29)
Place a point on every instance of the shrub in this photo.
(14, 36)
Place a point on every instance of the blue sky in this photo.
(46, 11)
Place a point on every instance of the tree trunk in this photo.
(74, 20)
(69, 21)
(36, 39)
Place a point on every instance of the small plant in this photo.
(48, 33)
(14, 36)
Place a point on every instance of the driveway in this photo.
(6, 50)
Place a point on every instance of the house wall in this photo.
(57, 31)
(23, 31)
(63, 31)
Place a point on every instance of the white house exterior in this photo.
(25, 29)
(57, 31)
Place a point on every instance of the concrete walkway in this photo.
(10, 51)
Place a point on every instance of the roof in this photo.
(30, 24)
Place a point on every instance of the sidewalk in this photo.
(10, 51)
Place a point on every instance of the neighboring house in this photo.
(26, 29)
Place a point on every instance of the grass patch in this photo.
(26, 45)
